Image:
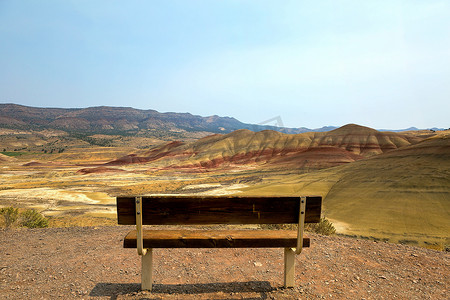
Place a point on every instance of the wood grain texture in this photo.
(215, 239)
(183, 210)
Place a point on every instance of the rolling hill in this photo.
(314, 150)
(381, 185)
(5, 158)
(402, 195)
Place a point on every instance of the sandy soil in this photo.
(90, 263)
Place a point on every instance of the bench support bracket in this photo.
(290, 253)
(146, 254)
(139, 238)
(301, 225)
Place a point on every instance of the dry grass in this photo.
(81, 220)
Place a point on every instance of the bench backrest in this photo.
(199, 210)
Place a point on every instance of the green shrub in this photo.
(324, 227)
(32, 219)
(29, 218)
(10, 214)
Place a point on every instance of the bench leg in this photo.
(146, 270)
(289, 267)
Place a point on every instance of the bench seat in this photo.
(215, 239)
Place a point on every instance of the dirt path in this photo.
(90, 263)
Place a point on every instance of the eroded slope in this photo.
(307, 150)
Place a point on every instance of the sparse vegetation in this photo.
(279, 226)
(408, 242)
(32, 219)
(28, 218)
(10, 215)
(13, 154)
(324, 227)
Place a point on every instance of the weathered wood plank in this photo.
(177, 210)
(216, 239)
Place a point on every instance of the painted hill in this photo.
(402, 195)
(409, 187)
(365, 141)
(6, 158)
(307, 150)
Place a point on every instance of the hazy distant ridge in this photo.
(123, 119)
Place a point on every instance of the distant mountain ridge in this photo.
(106, 119)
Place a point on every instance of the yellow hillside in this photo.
(403, 194)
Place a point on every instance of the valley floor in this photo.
(90, 263)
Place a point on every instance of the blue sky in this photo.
(382, 64)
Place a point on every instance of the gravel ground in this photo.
(90, 263)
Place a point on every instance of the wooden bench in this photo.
(181, 210)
